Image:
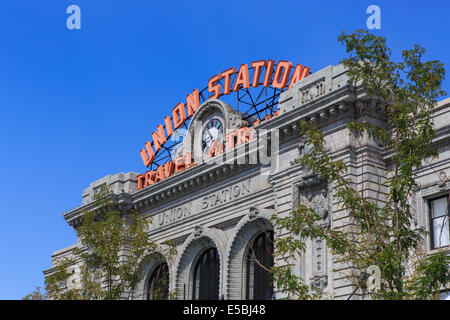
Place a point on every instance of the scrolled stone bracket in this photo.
(253, 213)
(198, 232)
(319, 283)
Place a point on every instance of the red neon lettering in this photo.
(140, 181)
(168, 168)
(242, 78)
(269, 70)
(178, 115)
(169, 128)
(147, 154)
(227, 75)
(242, 135)
(188, 160)
(256, 75)
(300, 73)
(215, 149)
(282, 73)
(149, 178)
(213, 87)
(159, 138)
(192, 102)
(179, 164)
(159, 175)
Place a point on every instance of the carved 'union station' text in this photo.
(175, 214)
(226, 195)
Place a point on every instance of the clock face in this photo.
(212, 131)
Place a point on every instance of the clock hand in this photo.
(209, 134)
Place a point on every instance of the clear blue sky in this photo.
(76, 105)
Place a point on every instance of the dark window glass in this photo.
(206, 276)
(158, 284)
(259, 280)
(439, 222)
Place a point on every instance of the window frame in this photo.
(249, 284)
(433, 245)
(159, 266)
(200, 264)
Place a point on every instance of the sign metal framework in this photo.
(257, 90)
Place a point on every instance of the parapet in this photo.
(119, 183)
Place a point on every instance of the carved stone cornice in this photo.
(198, 177)
(74, 217)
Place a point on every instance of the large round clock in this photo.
(212, 131)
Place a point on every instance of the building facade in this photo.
(219, 212)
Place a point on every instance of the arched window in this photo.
(158, 283)
(259, 257)
(205, 284)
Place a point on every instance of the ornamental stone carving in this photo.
(312, 92)
(318, 256)
(443, 179)
(319, 283)
(198, 231)
(313, 192)
(236, 121)
(319, 202)
(301, 150)
(253, 213)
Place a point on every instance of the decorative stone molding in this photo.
(312, 91)
(313, 192)
(236, 121)
(319, 257)
(318, 200)
(437, 187)
(301, 150)
(443, 179)
(253, 213)
(198, 231)
(197, 242)
(119, 183)
(252, 224)
(319, 282)
(413, 205)
(161, 194)
(434, 188)
(150, 263)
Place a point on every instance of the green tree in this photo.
(379, 233)
(114, 247)
(37, 294)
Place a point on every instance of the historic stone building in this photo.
(219, 213)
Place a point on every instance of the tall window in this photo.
(439, 222)
(259, 259)
(158, 283)
(206, 276)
